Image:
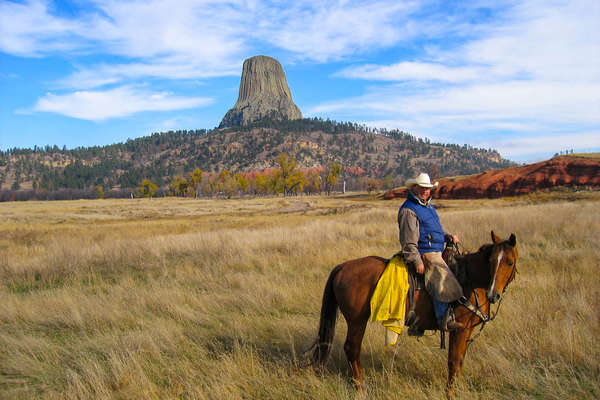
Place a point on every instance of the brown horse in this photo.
(351, 284)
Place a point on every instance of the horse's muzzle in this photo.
(494, 297)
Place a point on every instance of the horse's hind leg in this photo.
(354, 338)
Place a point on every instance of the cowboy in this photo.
(422, 239)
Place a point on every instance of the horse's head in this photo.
(503, 265)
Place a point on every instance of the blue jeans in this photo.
(440, 308)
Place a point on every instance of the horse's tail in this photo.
(329, 308)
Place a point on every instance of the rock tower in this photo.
(264, 92)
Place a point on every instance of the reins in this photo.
(477, 311)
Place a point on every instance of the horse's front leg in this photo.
(456, 354)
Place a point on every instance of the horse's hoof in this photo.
(450, 392)
(361, 391)
(358, 384)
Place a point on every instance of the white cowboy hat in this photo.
(422, 180)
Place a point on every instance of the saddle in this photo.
(453, 259)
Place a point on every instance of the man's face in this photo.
(422, 193)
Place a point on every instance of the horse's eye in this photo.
(510, 263)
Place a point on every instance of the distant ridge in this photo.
(372, 154)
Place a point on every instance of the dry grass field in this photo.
(216, 299)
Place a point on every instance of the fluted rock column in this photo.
(264, 92)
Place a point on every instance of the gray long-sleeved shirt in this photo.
(408, 225)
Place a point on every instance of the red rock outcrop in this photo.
(514, 181)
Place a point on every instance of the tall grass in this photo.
(205, 299)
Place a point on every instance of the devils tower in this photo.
(264, 92)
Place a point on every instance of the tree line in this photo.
(286, 179)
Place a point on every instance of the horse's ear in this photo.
(495, 238)
(512, 240)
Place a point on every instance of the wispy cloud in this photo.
(514, 117)
(28, 29)
(325, 31)
(523, 142)
(534, 100)
(108, 74)
(118, 102)
(191, 39)
(413, 71)
(548, 143)
(156, 39)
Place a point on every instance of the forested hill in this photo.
(361, 152)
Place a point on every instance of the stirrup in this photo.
(411, 318)
(450, 323)
(412, 322)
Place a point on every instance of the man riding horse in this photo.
(422, 240)
(351, 285)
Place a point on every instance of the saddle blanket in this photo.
(388, 303)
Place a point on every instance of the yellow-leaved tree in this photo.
(99, 192)
(195, 182)
(147, 188)
(179, 186)
(288, 179)
(242, 182)
(331, 176)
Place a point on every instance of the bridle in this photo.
(476, 308)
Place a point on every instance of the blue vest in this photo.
(431, 234)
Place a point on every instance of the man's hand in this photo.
(420, 269)
(455, 239)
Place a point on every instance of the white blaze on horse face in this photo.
(491, 290)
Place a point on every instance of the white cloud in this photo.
(107, 74)
(191, 39)
(509, 106)
(118, 102)
(542, 146)
(324, 31)
(519, 146)
(547, 40)
(548, 101)
(409, 71)
(197, 29)
(29, 30)
(522, 142)
(174, 40)
(553, 41)
(531, 80)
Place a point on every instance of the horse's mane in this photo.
(460, 268)
(486, 249)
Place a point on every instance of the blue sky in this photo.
(522, 77)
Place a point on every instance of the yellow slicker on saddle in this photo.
(388, 303)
